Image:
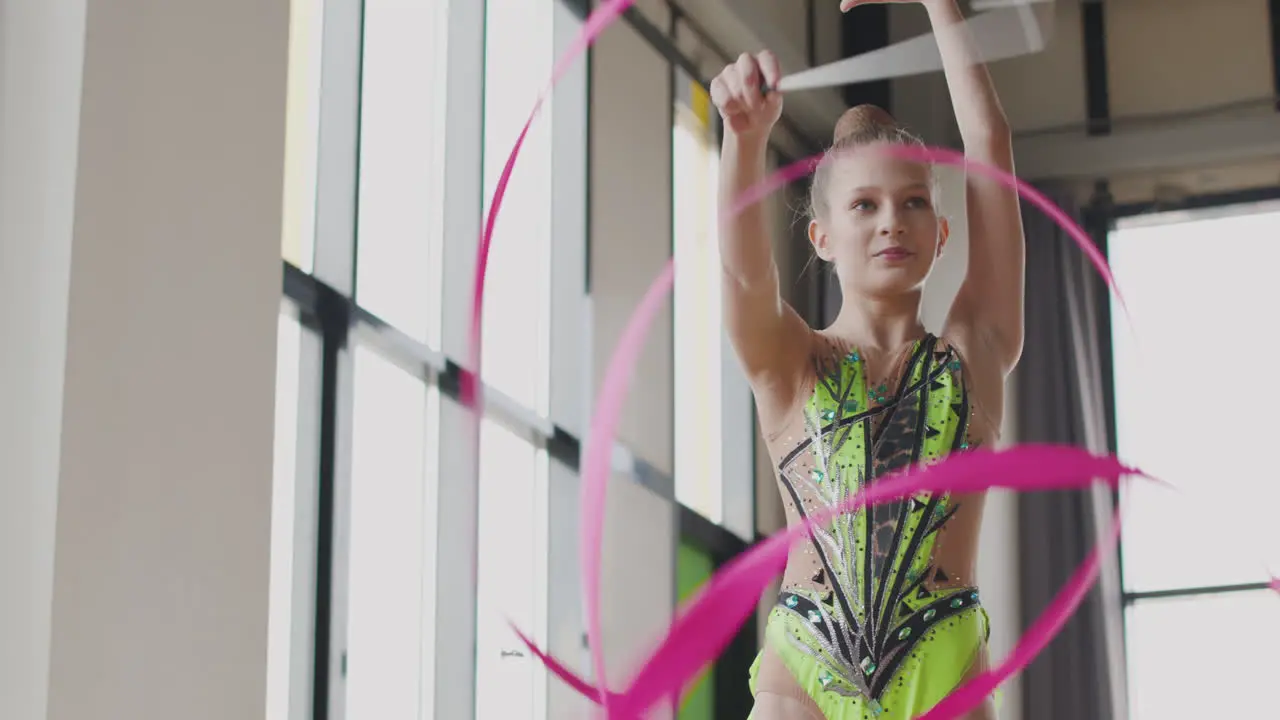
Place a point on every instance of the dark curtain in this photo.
(1063, 395)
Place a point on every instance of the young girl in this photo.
(879, 614)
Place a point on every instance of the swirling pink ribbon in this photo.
(706, 624)
(593, 528)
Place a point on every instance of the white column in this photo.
(41, 52)
(141, 219)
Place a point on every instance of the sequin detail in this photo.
(871, 599)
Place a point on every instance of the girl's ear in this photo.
(944, 233)
(818, 238)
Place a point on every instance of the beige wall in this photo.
(155, 603)
(1166, 56)
(631, 226)
(1210, 55)
(630, 175)
(1191, 112)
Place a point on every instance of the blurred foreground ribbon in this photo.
(704, 626)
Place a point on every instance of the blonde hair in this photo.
(857, 127)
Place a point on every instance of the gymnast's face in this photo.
(878, 225)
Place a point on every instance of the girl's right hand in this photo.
(747, 111)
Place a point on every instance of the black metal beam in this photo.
(733, 698)
(332, 311)
(811, 32)
(1098, 221)
(1273, 7)
(1200, 202)
(863, 29)
(1133, 597)
(1097, 94)
(708, 536)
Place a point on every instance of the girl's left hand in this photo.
(846, 5)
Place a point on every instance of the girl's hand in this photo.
(846, 5)
(748, 110)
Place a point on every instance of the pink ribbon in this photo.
(593, 523)
(707, 623)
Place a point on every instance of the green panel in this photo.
(693, 568)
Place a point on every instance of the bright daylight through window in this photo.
(1204, 421)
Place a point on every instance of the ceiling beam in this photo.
(1189, 143)
(1097, 93)
(1273, 7)
(863, 30)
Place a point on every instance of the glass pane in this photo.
(511, 561)
(693, 569)
(1194, 404)
(302, 128)
(280, 656)
(390, 643)
(402, 140)
(1203, 656)
(699, 422)
(518, 56)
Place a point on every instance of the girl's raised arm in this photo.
(986, 319)
(769, 337)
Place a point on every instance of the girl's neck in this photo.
(878, 325)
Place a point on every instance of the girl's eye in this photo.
(918, 202)
(863, 205)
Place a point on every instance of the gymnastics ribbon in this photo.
(708, 623)
(705, 625)
(592, 493)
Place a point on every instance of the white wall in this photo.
(155, 602)
(41, 51)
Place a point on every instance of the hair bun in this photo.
(862, 120)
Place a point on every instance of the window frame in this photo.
(1197, 207)
(1103, 216)
(322, 292)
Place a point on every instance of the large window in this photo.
(391, 575)
(398, 563)
(512, 565)
(518, 57)
(292, 523)
(714, 425)
(302, 131)
(402, 142)
(516, 362)
(698, 328)
(1194, 406)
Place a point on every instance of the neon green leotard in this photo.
(869, 624)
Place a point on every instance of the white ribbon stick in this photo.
(997, 35)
